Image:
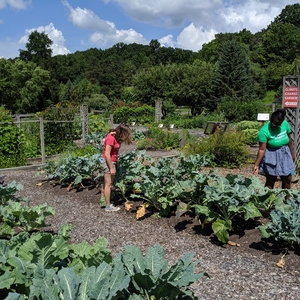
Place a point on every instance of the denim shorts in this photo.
(105, 167)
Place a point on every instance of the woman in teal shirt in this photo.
(275, 156)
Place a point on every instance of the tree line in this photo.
(233, 68)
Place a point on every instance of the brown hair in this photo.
(123, 134)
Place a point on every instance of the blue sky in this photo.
(75, 25)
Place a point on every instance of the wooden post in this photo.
(42, 139)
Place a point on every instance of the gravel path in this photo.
(233, 274)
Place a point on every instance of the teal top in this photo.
(275, 137)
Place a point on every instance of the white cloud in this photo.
(126, 36)
(18, 4)
(105, 32)
(86, 19)
(201, 20)
(193, 38)
(167, 41)
(167, 13)
(56, 36)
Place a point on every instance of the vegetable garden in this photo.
(32, 259)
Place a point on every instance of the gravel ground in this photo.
(233, 274)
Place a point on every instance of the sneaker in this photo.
(111, 207)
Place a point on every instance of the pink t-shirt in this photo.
(111, 140)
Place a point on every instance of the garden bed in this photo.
(245, 272)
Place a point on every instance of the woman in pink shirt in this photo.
(109, 160)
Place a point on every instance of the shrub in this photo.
(242, 125)
(250, 130)
(97, 124)
(12, 140)
(226, 149)
(189, 122)
(236, 110)
(141, 115)
(250, 136)
(160, 139)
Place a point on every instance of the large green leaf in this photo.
(133, 260)
(221, 228)
(251, 211)
(14, 296)
(84, 255)
(155, 261)
(44, 249)
(6, 280)
(182, 273)
(69, 283)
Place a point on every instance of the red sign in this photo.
(290, 91)
(290, 97)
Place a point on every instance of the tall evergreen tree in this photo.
(233, 77)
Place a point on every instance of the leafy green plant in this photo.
(73, 170)
(87, 151)
(42, 265)
(8, 192)
(12, 140)
(16, 214)
(151, 278)
(137, 135)
(97, 124)
(159, 183)
(284, 225)
(226, 198)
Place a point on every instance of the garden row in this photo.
(177, 183)
(39, 265)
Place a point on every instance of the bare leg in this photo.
(106, 188)
(286, 182)
(270, 181)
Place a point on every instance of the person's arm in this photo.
(108, 159)
(260, 154)
(290, 144)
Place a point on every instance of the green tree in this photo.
(290, 14)
(38, 49)
(181, 84)
(23, 86)
(281, 42)
(233, 77)
(211, 51)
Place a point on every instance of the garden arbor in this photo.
(291, 102)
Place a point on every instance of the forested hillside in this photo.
(233, 68)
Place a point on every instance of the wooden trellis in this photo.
(291, 103)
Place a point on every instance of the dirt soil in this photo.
(82, 210)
